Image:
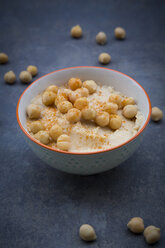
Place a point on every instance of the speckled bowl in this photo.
(92, 162)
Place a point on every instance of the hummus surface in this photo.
(87, 136)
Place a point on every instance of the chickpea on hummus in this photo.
(82, 117)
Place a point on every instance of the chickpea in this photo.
(88, 113)
(36, 126)
(104, 58)
(64, 106)
(120, 33)
(116, 99)
(101, 38)
(60, 98)
(102, 118)
(87, 233)
(73, 96)
(84, 92)
(66, 92)
(130, 111)
(136, 225)
(3, 58)
(128, 101)
(48, 98)
(52, 88)
(33, 111)
(81, 103)
(76, 31)
(152, 234)
(10, 77)
(90, 85)
(73, 115)
(115, 121)
(63, 142)
(110, 107)
(156, 114)
(55, 132)
(74, 83)
(32, 69)
(43, 137)
(25, 77)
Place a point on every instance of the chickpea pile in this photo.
(74, 104)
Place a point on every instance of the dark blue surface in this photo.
(39, 206)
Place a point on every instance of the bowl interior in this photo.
(119, 81)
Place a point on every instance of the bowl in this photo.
(89, 162)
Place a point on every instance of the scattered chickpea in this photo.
(60, 98)
(84, 92)
(136, 225)
(52, 88)
(115, 121)
(32, 69)
(87, 233)
(64, 106)
(33, 111)
(25, 77)
(73, 115)
(81, 103)
(90, 85)
(130, 111)
(88, 113)
(128, 101)
(101, 38)
(102, 118)
(48, 98)
(74, 83)
(156, 114)
(76, 31)
(120, 33)
(110, 107)
(116, 99)
(10, 77)
(152, 234)
(3, 58)
(55, 132)
(104, 58)
(36, 126)
(63, 142)
(43, 137)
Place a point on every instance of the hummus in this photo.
(87, 136)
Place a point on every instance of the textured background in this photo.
(42, 207)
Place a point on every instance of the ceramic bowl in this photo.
(93, 162)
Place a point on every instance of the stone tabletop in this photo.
(41, 207)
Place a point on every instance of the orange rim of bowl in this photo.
(83, 153)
